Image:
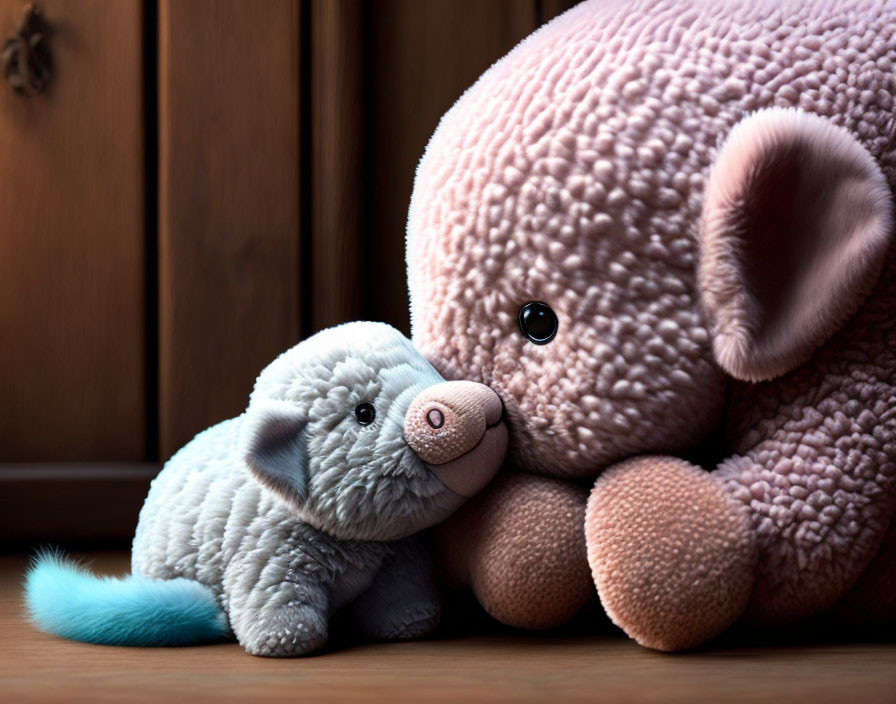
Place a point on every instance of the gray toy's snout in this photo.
(455, 428)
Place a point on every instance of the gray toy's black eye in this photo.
(538, 322)
(365, 413)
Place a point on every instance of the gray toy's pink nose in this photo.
(448, 420)
(455, 428)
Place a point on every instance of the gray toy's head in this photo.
(357, 432)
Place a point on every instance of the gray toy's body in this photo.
(266, 524)
(208, 519)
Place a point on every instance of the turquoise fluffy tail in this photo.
(67, 600)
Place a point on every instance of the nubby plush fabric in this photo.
(264, 525)
(660, 231)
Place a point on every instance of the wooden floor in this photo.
(485, 667)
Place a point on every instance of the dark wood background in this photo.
(203, 184)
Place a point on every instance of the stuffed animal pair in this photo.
(264, 525)
(662, 233)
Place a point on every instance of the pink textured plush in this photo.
(666, 586)
(701, 193)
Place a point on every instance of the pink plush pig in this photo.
(662, 230)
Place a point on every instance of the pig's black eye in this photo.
(365, 413)
(538, 322)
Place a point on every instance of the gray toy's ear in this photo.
(796, 220)
(272, 441)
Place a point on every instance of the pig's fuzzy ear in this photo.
(272, 441)
(796, 221)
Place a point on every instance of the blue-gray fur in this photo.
(280, 551)
(279, 449)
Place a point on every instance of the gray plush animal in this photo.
(265, 524)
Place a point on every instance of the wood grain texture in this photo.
(492, 667)
(72, 242)
(423, 55)
(339, 268)
(228, 204)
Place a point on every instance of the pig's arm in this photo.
(403, 600)
(809, 490)
(818, 474)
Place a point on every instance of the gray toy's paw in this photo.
(417, 621)
(378, 619)
(294, 630)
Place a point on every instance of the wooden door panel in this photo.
(228, 204)
(72, 320)
(382, 73)
(338, 268)
(423, 55)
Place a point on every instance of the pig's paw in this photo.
(528, 568)
(673, 557)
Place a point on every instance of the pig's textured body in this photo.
(576, 172)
